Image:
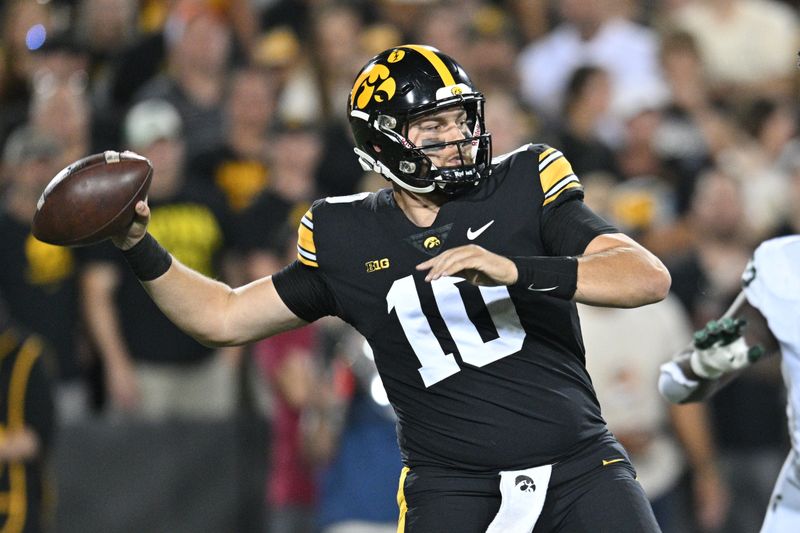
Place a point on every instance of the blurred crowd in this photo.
(681, 117)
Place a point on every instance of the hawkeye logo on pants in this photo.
(525, 484)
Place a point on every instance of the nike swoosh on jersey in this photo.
(611, 461)
(472, 235)
(532, 288)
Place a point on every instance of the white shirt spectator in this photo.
(756, 40)
(628, 51)
(624, 349)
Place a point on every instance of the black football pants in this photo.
(584, 496)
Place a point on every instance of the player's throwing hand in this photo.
(136, 230)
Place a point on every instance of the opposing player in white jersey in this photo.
(771, 286)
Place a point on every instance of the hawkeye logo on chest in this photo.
(378, 264)
(431, 240)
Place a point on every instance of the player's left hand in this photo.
(719, 348)
(473, 263)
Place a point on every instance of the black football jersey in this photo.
(481, 378)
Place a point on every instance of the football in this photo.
(92, 199)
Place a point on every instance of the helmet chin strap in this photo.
(369, 163)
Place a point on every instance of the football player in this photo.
(463, 277)
(719, 352)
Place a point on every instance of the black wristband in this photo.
(148, 259)
(554, 276)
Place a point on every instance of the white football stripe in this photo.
(561, 184)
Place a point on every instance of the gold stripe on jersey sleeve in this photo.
(438, 64)
(573, 184)
(546, 153)
(306, 249)
(555, 174)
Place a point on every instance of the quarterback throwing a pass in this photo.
(463, 277)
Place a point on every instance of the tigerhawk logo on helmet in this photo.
(402, 84)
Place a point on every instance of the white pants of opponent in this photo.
(783, 513)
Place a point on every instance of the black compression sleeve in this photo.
(571, 226)
(304, 292)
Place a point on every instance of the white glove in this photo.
(719, 348)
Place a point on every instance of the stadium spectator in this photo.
(285, 59)
(39, 280)
(706, 278)
(26, 26)
(451, 38)
(290, 366)
(532, 16)
(153, 370)
(337, 52)
(199, 52)
(748, 46)
(587, 99)
(667, 444)
(294, 153)
(593, 33)
(680, 140)
(511, 122)
(760, 162)
(62, 109)
(28, 427)
(288, 363)
(238, 167)
(351, 432)
(104, 28)
(494, 40)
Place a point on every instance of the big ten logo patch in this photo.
(374, 83)
(47, 264)
(241, 181)
(190, 232)
(377, 264)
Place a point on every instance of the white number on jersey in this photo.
(436, 364)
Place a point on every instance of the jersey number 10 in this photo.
(436, 364)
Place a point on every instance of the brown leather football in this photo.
(92, 199)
